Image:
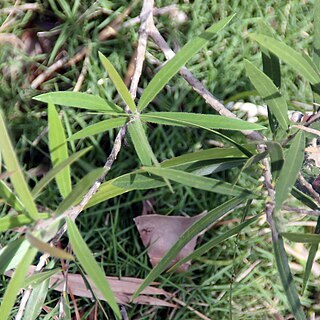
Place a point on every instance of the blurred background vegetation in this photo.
(42, 36)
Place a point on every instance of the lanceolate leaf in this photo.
(79, 190)
(16, 283)
(286, 278)
(36, 301)
(57, 169)
(10, 198)
(58, 150)
(177, 62)
(208, 121)
(79, 100)
(269, 93)
(277, 158)
(46, 248)
(141, 143)
(11, 222)
(99, 127)
(194, 181)
(193, 230)
(292, 164)
(118, 82)
(311, 256)
(289, 56)
(214, 242)
(302, 237)
(90, 266)
(17, 178)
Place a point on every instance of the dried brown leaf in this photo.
(159, 233)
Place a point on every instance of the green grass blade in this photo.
(269, 93)
(10, 198)
(36, 301)
(9, 253)
(78, 100)
(289, 56)
(207, 121)
(291, 166)
(178, 61)
(17, 178)
(46, 248)
(214, 242)
(80, 189)
(311, 256)
(99, 127)
(118, 82)
(192, 231)
(10, 222)
(287, 279)
(198, 182)
(90, 266)
(16, 283)
(56, 170)
(58, 150)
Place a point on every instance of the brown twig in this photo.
(108, 32)
(83, 71)
(197, 85)
(302, 211)
(309, 188)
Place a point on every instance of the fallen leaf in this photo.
(159, 233)
(122, 288)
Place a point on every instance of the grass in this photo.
(108, 227)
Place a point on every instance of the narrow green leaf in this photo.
(118, 82)
(289, 56)
(80, 189)
(286, 278)
(271, 63)
(192, 231)
(36, 301)
(302, 237)
(46, 248)
(38, 278)
(277, 158)
(58, 150)
(17, 178)
(178, 61)
(141, 143)
(124, 184)
(311, 256)
(198, 182)
(16, 284)
(291, 166)
(10, 222)
(208, 121)
(203, 155)
(10, 198)
(79, 100)
(269, 93)
(56, 170)
(90, 266)
(8, 253)
(304, 198)
(316, 34)
(99, 127)
(214, 242)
